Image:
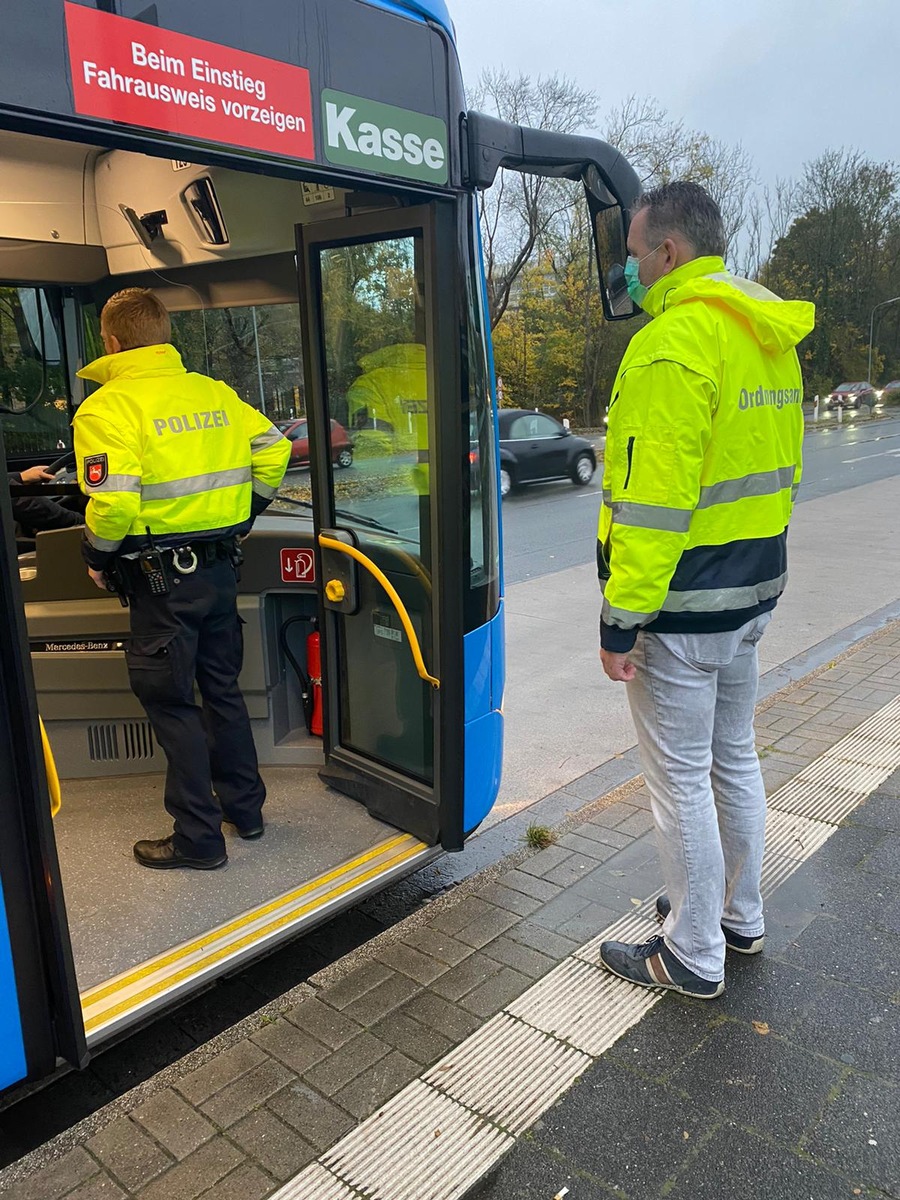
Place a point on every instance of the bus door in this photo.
(40, 1013)
(381, 351)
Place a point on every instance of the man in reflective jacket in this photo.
(702, 465)
(176, 467)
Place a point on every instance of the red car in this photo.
(297, 433)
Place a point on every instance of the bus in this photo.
(298, 182)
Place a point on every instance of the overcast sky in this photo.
(786, 78)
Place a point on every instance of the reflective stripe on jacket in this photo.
(703, 457)
(174, 451)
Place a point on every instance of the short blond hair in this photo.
(137, 317)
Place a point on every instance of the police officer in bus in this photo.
(176, 467)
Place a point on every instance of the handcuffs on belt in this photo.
(184, 560)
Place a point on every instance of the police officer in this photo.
(176, 467)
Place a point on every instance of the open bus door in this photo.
(381, 362)
(40, 1013)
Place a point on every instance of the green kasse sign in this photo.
(379, 137)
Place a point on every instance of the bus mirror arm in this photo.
(611, 186)
(491, 144)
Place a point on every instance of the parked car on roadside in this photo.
(890, 393)
(297, 433)
(535, 447)
(851, 395)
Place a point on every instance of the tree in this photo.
(662, 149)
(519, 210)
(770, 214)
(842, 252)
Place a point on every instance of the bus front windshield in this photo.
(34, 407)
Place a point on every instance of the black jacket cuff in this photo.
(616, 640)
(259, 504)
(97, 560)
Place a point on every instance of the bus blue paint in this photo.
(13, 1066)
(478, 669)
(422, 10)
(484, 673)
(484, 763)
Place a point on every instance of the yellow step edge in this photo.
(92, 995)
(107, 1014)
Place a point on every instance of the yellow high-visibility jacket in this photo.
(388, 405)
(174, 451)
(392, 395)
(703, 457)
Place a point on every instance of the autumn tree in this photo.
(519, 210)
(662, 149)
(843, 253)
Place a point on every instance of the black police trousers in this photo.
(194, 634)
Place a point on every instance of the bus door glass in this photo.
(369, 322)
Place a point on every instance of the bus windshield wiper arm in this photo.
(342, 512)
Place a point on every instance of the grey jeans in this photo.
(693, 701)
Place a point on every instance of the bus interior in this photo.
(220, 247)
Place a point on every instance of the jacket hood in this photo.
(132, 364)
(778, 324)
(409, 355)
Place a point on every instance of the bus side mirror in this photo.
(609, 228)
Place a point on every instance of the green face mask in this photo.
(637, 290)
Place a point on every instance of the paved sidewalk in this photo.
(693, 1101)
(787, 1087)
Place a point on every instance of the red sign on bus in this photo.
(127, 71)
(298, 566)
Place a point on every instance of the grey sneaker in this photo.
(733, 941)
(653, 965)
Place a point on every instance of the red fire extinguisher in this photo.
(314, 667)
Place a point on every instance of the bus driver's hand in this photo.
(99, 578)
(36, 475)
(618, 666)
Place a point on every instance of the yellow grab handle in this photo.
(352, 552)
(52, 776)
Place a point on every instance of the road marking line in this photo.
(445, 1131)
(877, 454)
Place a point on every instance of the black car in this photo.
(535, 447)
(851, 395)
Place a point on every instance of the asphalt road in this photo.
(551, 526)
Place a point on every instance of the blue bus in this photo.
(298, 183)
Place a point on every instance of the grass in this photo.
(539, 837)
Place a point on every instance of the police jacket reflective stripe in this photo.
(703, 457)
(174, 451)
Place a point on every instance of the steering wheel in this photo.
(62, 465)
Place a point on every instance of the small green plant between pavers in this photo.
(539, 837)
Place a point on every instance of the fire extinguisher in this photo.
(314, 666)
(310, 680)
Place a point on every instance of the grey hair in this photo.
(688, 209)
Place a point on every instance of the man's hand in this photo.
(36, 475)
(99, 578)
(618, 666)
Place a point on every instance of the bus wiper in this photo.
(370, 522)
